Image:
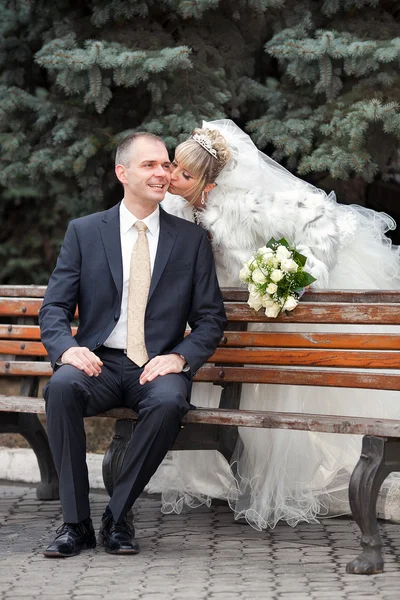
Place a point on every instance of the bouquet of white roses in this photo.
(276, 277)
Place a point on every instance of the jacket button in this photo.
(116, 317)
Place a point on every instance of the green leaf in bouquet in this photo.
(283, 242)
(299, 258)
(271, 243)
(307, 279)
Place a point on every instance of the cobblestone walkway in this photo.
(198, 555)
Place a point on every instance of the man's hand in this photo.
(82, 358)
(162, 365)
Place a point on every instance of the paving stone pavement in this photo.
(201, 554)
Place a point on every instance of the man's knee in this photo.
(169, 396)
(174, 404)
(64, 388)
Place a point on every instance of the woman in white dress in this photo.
(243, 198)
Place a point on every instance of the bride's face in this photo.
(183, 183)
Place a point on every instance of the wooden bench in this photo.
(356, 360)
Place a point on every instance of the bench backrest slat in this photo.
(302, 376)
(334, 358)
(362, 359)
(343, 341)
(304, 313)
(20, 334)
(288, 376)
(352, 296)
(241, 295)
(370, 314)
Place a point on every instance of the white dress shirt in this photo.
(129, 234)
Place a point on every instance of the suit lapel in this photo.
(110, 234)
(166, 240)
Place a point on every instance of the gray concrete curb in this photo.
(20, 465)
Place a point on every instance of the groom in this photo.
(138, 275)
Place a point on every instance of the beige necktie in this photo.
(139, 285)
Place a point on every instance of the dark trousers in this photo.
(72, 395)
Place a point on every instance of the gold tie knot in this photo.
(140, 226)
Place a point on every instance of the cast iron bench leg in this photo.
(29, 426)
(370, 472)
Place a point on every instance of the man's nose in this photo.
(160, 171)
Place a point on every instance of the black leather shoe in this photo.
(117, 538)
(71, 539)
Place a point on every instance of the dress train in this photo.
(295, 475)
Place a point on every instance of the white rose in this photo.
(271, 288)
(253, 290)
(254, 302)
(265, 252)
(258, 276)
(289, 265)
(244, 273)
(282, 253)
(273, 311)
(290, 303)
(276, 275)
(267, 301)
(274, 262)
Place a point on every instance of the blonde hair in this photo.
(201, 164)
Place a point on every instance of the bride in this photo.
(221, 181)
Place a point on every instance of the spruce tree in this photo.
(315, 83)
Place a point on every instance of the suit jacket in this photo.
(88, 274)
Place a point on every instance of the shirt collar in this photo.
(127, 220)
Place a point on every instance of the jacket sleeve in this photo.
(207, 317)
(61, 298)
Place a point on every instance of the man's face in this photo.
(147, 175)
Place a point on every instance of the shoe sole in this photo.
(102, 542)
(120, 552)
(61, 555)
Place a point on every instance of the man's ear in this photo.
(209, 187)
(120, 173)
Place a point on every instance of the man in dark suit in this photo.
(138, 275)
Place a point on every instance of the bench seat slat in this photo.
(244, 418)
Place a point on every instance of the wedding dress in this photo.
(278, 474)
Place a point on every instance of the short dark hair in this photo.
(123, 154)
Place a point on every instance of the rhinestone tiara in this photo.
(205, 142)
